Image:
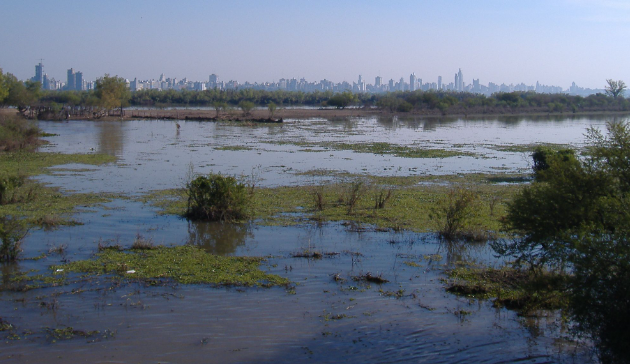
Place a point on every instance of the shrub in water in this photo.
(217, 198)
(12, 231)
(16, 133)
(454, 212)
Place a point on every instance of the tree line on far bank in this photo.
(110, 94)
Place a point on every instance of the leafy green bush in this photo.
(544, 157)
(576, 214)
(600, 294)
(11, 191)
(217, 198)
(12, 232)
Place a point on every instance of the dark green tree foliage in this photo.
(600, 291)
(342, 100)
(543, 156)
(12, 232)
(4, 88)
(217, 198)
(576, 214)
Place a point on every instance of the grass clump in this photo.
(516, 289)
(181, 264)
(17, 133)
(409, 207)
(15, 189)
(68, 333)
(454, 214)
(217, 198)
(141, 243)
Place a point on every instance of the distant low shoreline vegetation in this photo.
(111, 96)
(429, 102)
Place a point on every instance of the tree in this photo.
(218, 106)
(246, 106)
(615, 88)
(4, 89)
(20, 94)
(112, 92)
(342, 100)
(272, 109)
(576, 214)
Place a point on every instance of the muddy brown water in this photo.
(408, 319)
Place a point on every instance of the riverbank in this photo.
(263, 115)
(324, 113)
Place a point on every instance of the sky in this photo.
(555, 42)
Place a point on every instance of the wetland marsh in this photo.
(312, 294)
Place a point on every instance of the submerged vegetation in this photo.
(25, 203)
(155, 265)
(182, 264)
(521, 290)
(394, 203)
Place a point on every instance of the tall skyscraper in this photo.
(78, 81)
(439, 82)
(70, 85)
(213, 78)
(413, 81)
(39, 74)
(460, 85)
(456, 84)
(378, 81)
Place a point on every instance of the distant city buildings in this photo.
(75, 82)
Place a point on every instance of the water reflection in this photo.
(110, 138)
(217, 237)
(461, 251)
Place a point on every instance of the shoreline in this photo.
(263, 116)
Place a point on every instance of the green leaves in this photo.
(217, 198)
(112, 92)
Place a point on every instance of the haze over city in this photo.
(553, 42)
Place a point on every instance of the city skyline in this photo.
(76, 82)
(552, 42)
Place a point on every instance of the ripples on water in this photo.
(325, 320)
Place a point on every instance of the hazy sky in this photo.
(502, 41)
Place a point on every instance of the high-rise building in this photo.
(439, 82)
(378, 81)
(413, 81)
(460, 85)
(39, 74)
(456, 82)
(78, 81)
(213, 80)
(71, 83)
